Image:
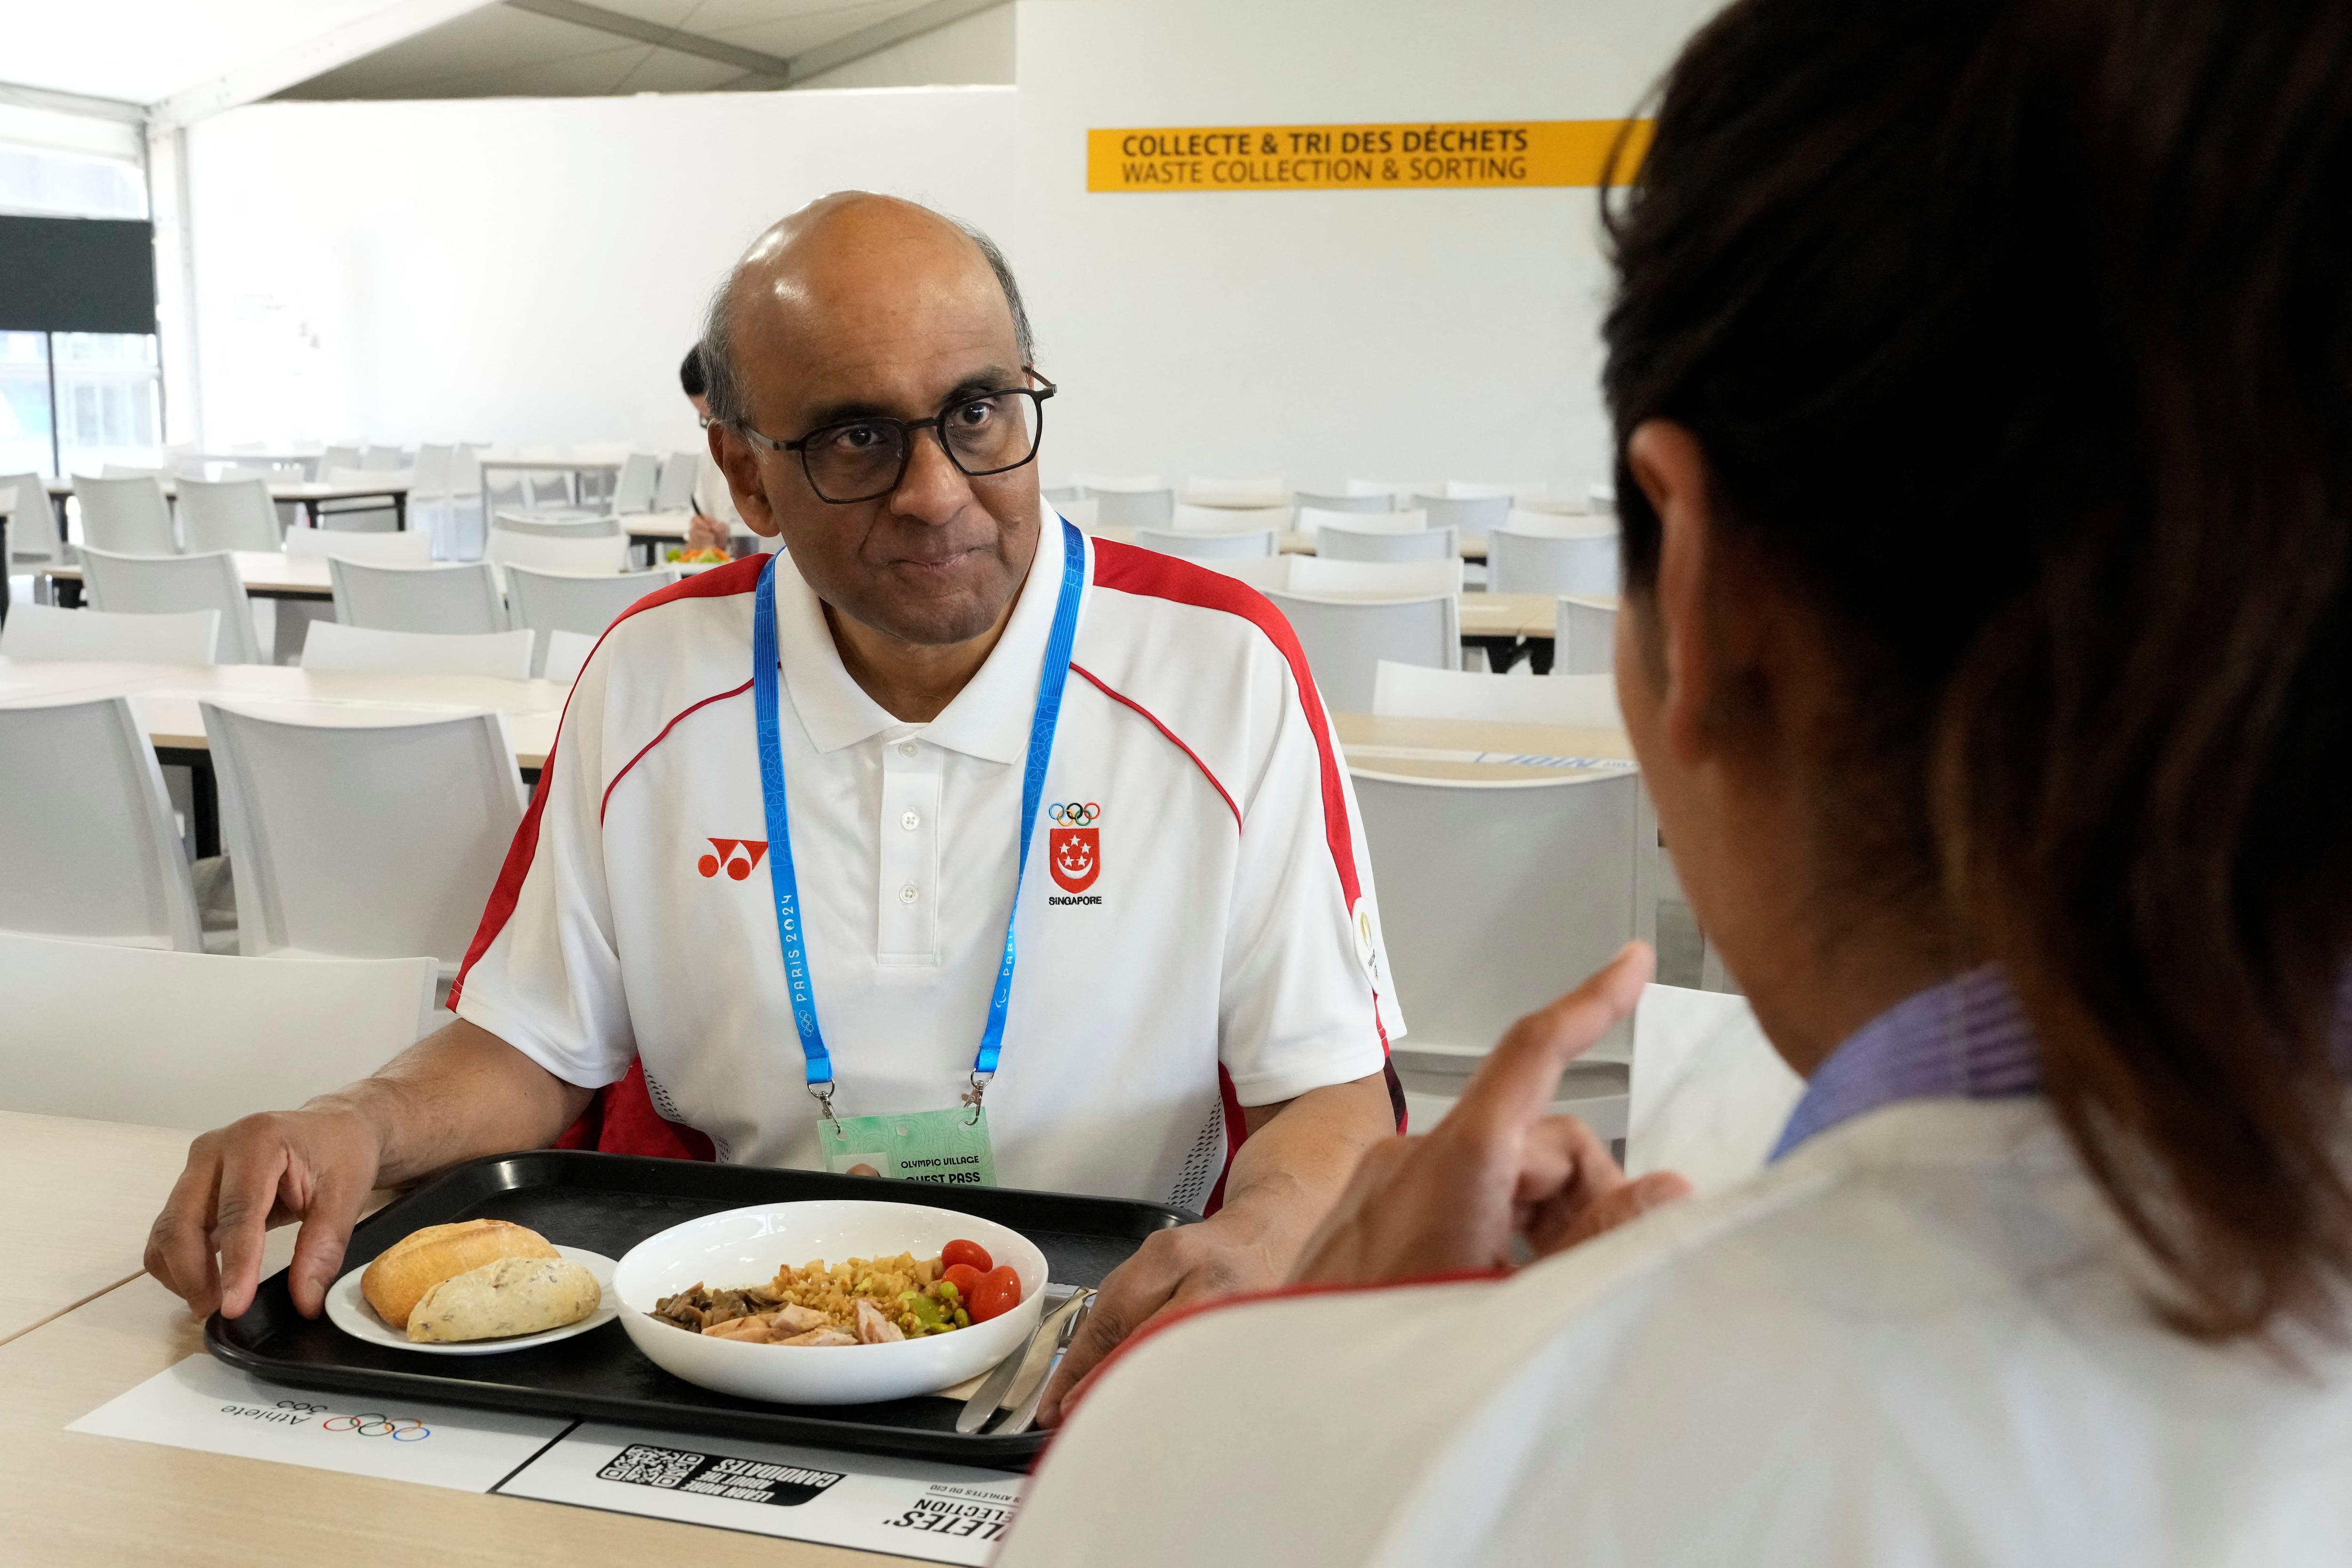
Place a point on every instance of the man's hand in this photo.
(1498, 1168)
(458, 1094)
(705, 534)
(316, 1166)
(1294, 1161)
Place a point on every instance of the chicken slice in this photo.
(749, 1330)
(798, 1319)
(873, 1327)
(824, 1336)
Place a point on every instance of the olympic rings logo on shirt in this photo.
(375, 1424)
(1072, 815)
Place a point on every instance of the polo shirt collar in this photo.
(989, 718)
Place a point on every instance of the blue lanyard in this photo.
(788, 932)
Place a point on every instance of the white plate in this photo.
(746, 1246)
(348, 1310)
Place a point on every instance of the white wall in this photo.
(525, 270)
(1322, 334)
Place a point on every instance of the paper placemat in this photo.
(940, 1513)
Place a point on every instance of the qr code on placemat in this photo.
(646, 1465)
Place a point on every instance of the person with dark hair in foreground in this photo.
(1982, 376)
(715, 519)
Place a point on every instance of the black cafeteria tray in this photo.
(609, 1203)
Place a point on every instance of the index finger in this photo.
(248, 1190)
(1516, 1081)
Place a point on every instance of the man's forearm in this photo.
(458, 1094)
(1299, 1155)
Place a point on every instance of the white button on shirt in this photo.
(1196, 937)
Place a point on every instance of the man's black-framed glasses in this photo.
(865, 459)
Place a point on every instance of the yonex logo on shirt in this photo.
(737, 854)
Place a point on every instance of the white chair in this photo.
(350, 457)
(1584, 637)
(640, 483)
(448, 598)
(405, 549)
(364, 840)
(1474, 515)
(547, 526)
(186, 1039)
(45, 632)
(1394, 491)
(89, 838)
(1227, 519)
(1083, 513)
(132, 471)
(333, 645)
(1345, 639)
(169, 585)
(545, 552)
(549, 489)
(1202, 546)
(1313, 520)
(546, 602)
(1545, 501)
(1133, 509)
(1382, 501)
(1343, 541)
(32, 531)
(1466, 490)
(1521, 561)
(1267, 573)
(565, 653)
(468, 513)
(383, 459)
(1108, 484)
(1378, 579)
(1710, 1095)
(675, 490)
(1495, 897)
(229, 514)
(1199, 491)
(1601, 498)
(1415, 691)
(128, 516)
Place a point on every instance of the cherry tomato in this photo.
(964, 1277)
(970, 1252)
(997, 1292)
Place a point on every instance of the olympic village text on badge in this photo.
(1428, 156)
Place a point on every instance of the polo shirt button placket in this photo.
(907, 930)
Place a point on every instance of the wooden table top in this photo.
(76, 1227)
(261, 571)
(1472, 749)
(395, 482)
(69, 1500)
(165, 697)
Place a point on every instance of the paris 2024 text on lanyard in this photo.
(947, 1146)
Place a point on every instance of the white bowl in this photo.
(746, 1247)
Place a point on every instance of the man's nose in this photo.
(934, 489)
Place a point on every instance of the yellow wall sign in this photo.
(1431, 155)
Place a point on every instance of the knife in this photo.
(993, 1392)
(1025, 1412)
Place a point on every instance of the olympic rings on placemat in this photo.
(1072, 815)
(375, 1424)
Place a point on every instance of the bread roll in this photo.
(405, 1270)
(499, 1301)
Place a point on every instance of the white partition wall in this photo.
(1322, 333)
(527, 270)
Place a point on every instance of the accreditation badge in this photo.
(948, 1147)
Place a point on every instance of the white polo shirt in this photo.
(1206, 941)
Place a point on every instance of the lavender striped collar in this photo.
(1966, 1038)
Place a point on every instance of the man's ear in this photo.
(735, 460)
(1671, 469)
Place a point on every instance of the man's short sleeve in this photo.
(1305, 1000)
(542, 974)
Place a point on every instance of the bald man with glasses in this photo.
(944, 843)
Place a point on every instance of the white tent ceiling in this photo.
(195, 57)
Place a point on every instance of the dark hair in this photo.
(2016, 336)
(689, 372)
(728, 404)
